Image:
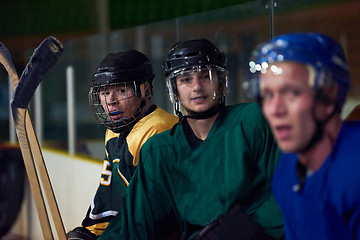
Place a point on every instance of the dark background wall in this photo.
(24, 23)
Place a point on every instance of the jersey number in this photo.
(106, 174)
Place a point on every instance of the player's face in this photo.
(287, 104)
(119, 101)
(198, 90)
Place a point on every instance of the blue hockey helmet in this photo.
(320, 51)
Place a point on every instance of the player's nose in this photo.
(111, 98)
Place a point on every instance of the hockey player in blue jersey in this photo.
(302, 81)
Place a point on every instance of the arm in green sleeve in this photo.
(268, 214)
(145, 213)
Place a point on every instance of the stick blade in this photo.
(42, 60)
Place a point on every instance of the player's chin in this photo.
(205, 106)
(288, 146)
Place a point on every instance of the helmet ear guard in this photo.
(172, 90)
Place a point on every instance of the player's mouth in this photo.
(283, 132)
(199, 99)
(116, 115)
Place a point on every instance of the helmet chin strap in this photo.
(319, 126)
(203, 115)
(207, 114)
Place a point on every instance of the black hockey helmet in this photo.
(121, 67)
(130, 69)
(199, 52)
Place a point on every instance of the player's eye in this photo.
(267, 95)
(121, 90)
(104, 93)
(185, 79)
(205, 76)
(292, 92)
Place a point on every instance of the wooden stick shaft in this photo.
(32, 175)
(45, 180)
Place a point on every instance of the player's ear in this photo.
(330, 109)
(326, 101)
(329, 98)
(328, 95)
(145, 90)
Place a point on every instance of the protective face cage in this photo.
(216, 75)
(324, 57)
(99, 99)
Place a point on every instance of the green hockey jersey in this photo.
(176, 185)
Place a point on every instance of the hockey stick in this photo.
(42, 60)
(7, 62)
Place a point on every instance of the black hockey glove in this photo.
(235, 225)
(80, 233)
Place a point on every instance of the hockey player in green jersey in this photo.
(210, 175)
(120, 99)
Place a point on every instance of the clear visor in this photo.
(253, 87)
(214, 76)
